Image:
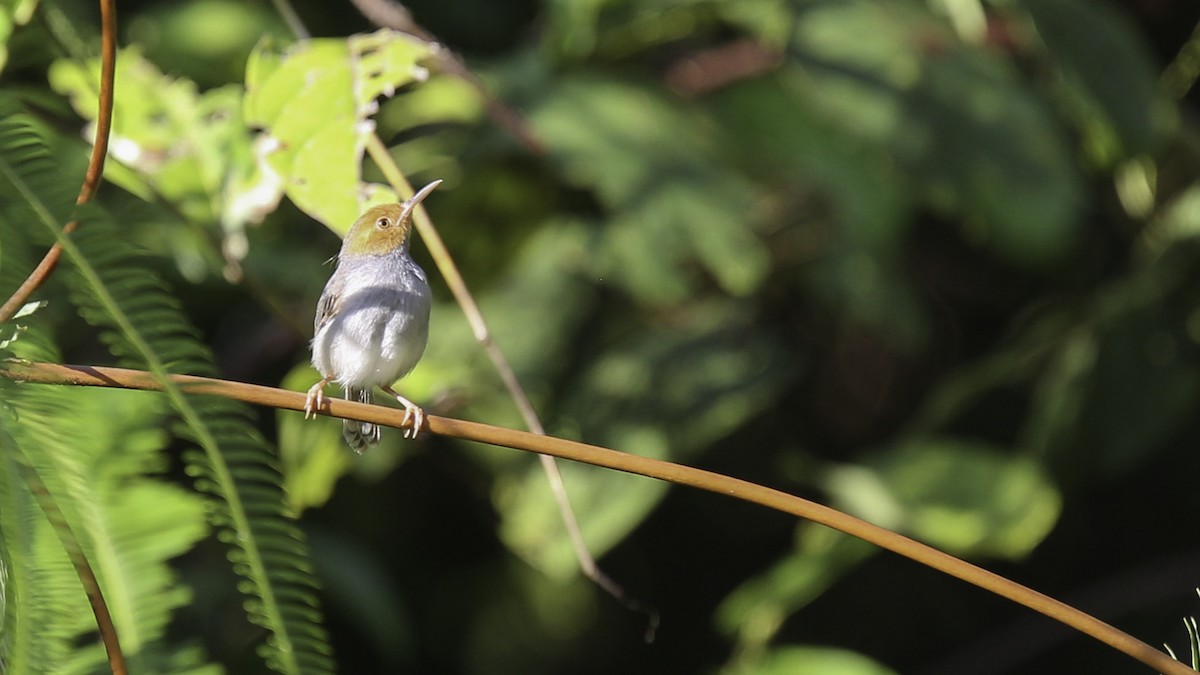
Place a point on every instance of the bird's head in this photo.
(383, 228)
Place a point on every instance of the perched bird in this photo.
(372, 319)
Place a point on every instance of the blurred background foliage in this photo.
(934, 262)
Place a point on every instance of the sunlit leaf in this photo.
(964, 497)
(13, 13)
(314, 101)
(794, 660)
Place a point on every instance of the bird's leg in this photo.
(412, 412)
(316, 398)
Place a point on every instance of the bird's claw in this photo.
(315, 399)
(412, 413)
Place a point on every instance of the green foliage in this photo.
(105, 478)
(1193, 641)
(13, 13)
(813, 661)
(931, 262)
(144, 327)
(964, 498)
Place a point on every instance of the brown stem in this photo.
(95, 169)
(98, 376)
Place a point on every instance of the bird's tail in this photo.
(360, 435)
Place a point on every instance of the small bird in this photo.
(372, 320)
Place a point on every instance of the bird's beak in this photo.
(408, 206)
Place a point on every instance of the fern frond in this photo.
(99, 453)
(44, 605)
(145, 328)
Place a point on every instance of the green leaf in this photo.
(979, 142)
(532, 528)
(672, 203)
(1108, 77)
(963, 497)
(1141, 390)
(314, 102)
(797, 660)
(1179, 219)
(313, 454)
(667, 392)
(756, 609)
(13, 13)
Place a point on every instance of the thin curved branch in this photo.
(95, 169)
(98, 376)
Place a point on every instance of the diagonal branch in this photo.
(98, 376)
(95, 169)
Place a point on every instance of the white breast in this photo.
(381, 325)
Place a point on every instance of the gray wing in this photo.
(328, 305)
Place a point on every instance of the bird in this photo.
(372, 320)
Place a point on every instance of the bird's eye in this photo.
(383, 223)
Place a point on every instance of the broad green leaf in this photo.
(439, 100)
(964, 497)
(313, 102)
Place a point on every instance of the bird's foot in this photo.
(412, 413)
(315, 399)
